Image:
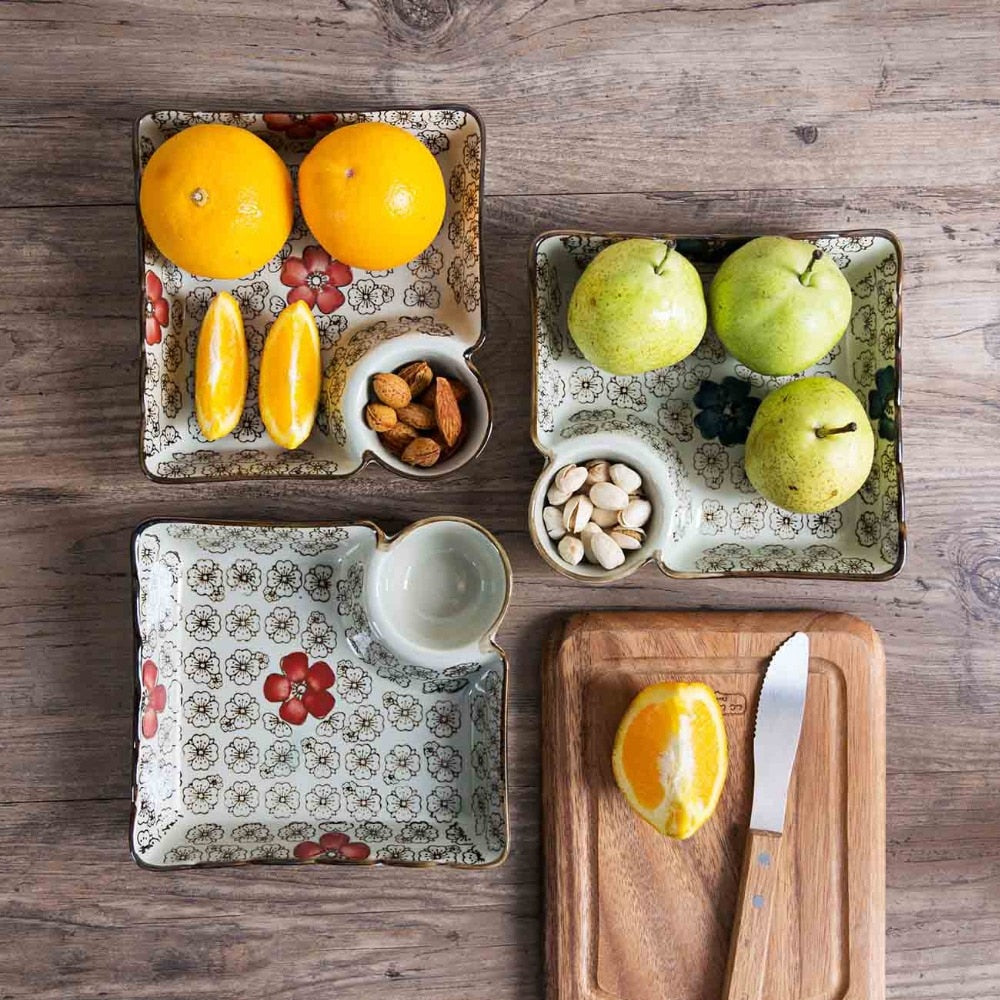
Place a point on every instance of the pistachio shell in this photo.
(608, 496)
(570, 478)
(598, 471)
(553, 520)
(629, 539)
(571, 550)
(604, 518)
(576, 514)
(556, 497)
(628, 479)
(590, 531)
(607, 551)
(635, 514)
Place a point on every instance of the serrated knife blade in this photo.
(776, 735)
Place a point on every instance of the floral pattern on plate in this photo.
(440, 289)
(249, 747)
(695, 416)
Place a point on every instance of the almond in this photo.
(398, 437)
(391, 390)
(446, 411)
(417, 375)
(379, 417)
(421, 452)
(416, 416)
(458, 389)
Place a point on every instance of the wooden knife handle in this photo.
(751, 928)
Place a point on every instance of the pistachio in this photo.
(577, 513)
(598, 471)
(553, 520)
(628, 479)
(607, 551)
(570, 478)
(590, 530)
(635, 514)
(609, 497)
(629, 539)
(604, 518)
(556, 497)
(571, 550)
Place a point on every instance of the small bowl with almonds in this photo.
(415, 404)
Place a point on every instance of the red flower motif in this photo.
(156, 309)
(314, 278)
(335, 846)
(300, 126)
(301, 689)
(154, 698)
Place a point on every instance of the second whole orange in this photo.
(372, 194)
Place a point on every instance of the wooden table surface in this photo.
(738, 115)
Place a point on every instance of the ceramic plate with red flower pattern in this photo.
(275, 722)
(435, 302)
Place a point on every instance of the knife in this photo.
(780, 709)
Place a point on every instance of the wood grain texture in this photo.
(634, 915)
(756, 899)
(696, 115)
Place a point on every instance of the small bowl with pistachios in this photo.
(599, 515)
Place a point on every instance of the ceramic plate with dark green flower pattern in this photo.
(289, 708)
(684, 427)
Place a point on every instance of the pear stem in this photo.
(668, 246)
(804, 277)
(822, 432)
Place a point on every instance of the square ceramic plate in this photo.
(430, 308)
(319, 693)
(708, 520)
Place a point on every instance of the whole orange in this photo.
(372, 194)
(217, 201)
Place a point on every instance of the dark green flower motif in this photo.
(727, 410)
(882, 402)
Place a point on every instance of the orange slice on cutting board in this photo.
(291, 371)
(671, 756)
(221, 368)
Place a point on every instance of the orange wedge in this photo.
(671, 756)
(290, 374)
(220, 368)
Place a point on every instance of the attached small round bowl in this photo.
(437, 592)
(447, 356)
(614, 448)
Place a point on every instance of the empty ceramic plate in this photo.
(319, 693)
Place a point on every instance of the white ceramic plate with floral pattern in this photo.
(682, 427)
(319, 693)
(435, 302)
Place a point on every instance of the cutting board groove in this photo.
(633, 915)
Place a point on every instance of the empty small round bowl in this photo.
(436, 592)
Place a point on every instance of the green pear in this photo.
(810, 446)
(639, 305)
(779, 305)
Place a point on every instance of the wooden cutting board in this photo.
(634, 915)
